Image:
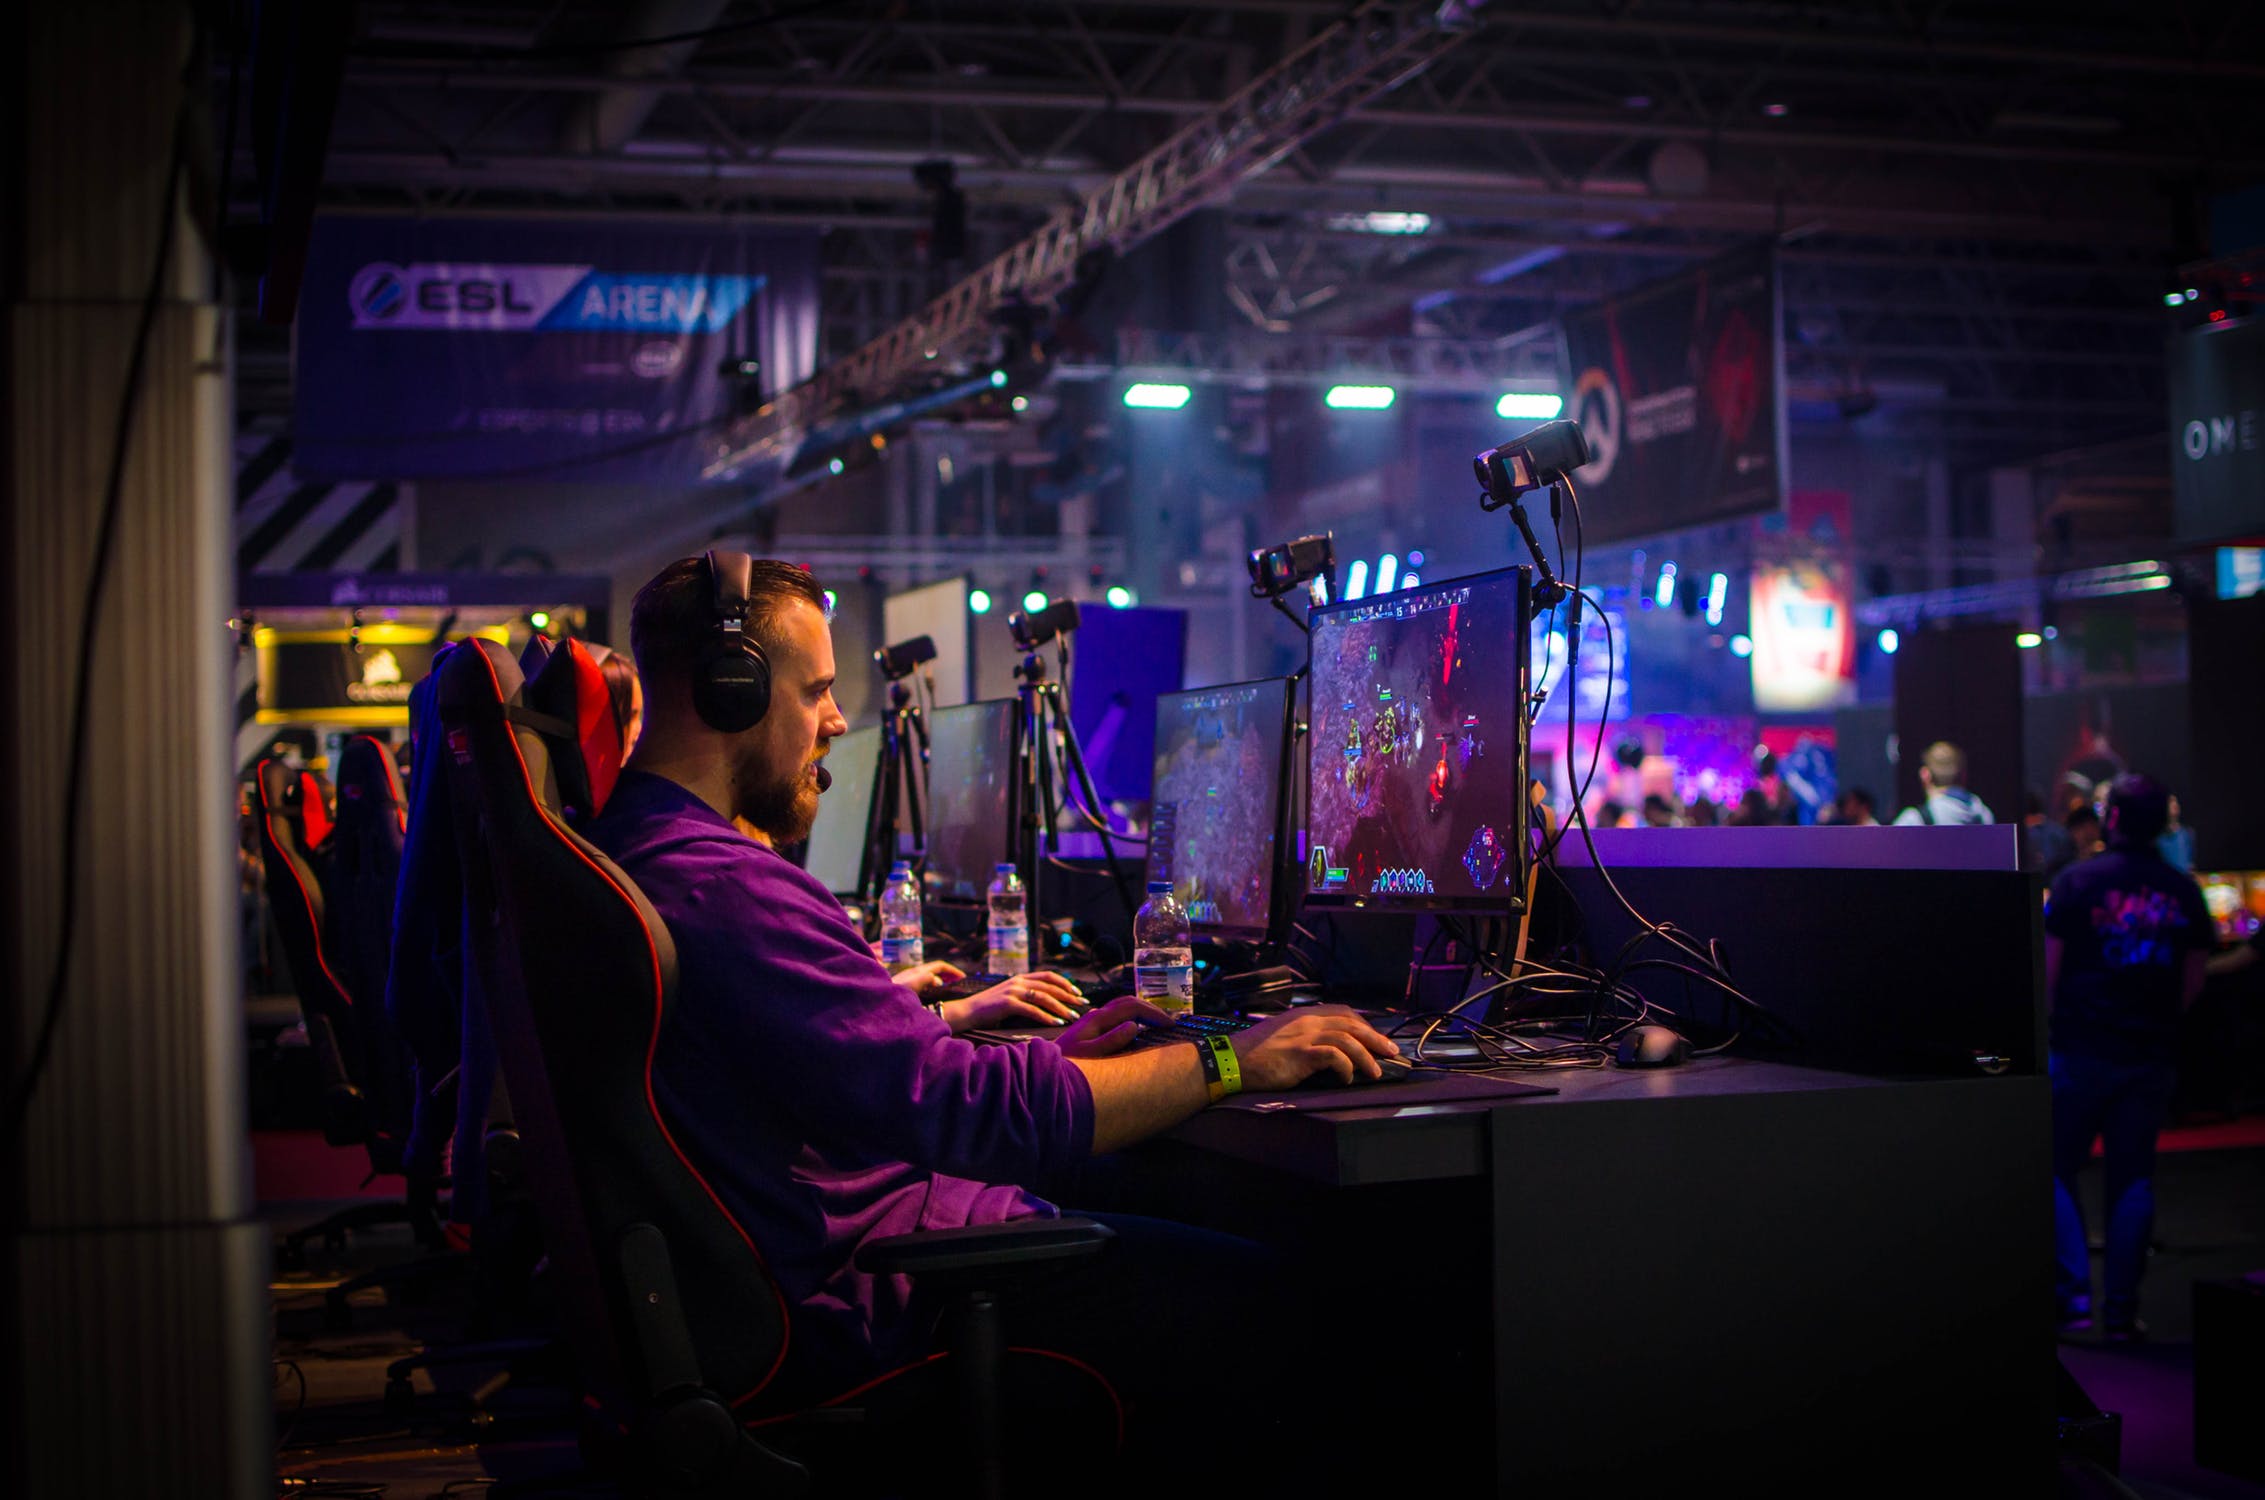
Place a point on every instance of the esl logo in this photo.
(502, 298)
(377, 295)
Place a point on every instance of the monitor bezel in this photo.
(1513, 898)
(1274, 881)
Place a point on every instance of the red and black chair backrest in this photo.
(570, 692)
(584, 981)
(295, 895)
(359, 880)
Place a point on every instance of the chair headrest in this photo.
(571, 689)
(369, 786)
(538, 650)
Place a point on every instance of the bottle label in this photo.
(900, 953)
(1168, 987)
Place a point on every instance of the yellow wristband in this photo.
(1230, 1079)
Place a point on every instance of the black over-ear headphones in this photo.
(731, 677)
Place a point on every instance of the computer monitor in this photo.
(1217, 799)
(837, 838)
(970, 770)
(1416, 782)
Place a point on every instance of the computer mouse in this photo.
(1651, 1047)
(1396, 1070)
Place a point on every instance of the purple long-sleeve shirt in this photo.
(823, 1103)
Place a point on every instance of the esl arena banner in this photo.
(463, 349)
(1680, 389)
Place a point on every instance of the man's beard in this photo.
(785, 809)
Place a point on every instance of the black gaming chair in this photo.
(286, 805)
(297, 891)
(677, 1325)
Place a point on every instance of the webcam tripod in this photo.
(900, 790)
(1044, 735)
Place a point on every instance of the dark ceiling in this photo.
(1980, 205)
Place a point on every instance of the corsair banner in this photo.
(1680, 388)
(331, 677)
(464, 350)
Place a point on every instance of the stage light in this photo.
(2174, 299)
(2052, 632)
(1021, 403)
(2029, 640)
(1741, 645)
(539, 620)
(2152, 581)
(1890, 642)
(1383, 221)
(1358, 397)
(831, 601)
(1121, 597)
(1387, 569)
(1356, 578)
(978, 602)
(1535, 406)
(1718, 593)
(1409, 581)
(1034, 601)
(1415, 558)
(998, 378)
(834, 466)
(2193, 294)
(1664, 595)
(1148, 397)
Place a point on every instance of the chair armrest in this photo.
(985, 1247)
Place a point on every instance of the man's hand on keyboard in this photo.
(1044, 999)
(932, 975)
(1110, 1028)
(1283, 1051)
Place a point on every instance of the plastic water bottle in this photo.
(1010, 927)
(900, 919)
(1163, 952)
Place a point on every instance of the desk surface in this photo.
(1350, 1146)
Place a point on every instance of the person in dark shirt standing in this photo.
(2126, 939)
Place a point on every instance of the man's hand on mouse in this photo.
(1283, 1051)
(1109, 1029)
(1044, 999)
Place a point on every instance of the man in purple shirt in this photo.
(823, 1102)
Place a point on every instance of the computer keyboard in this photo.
(1190, 1027)
(975, 984)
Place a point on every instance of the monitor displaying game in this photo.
(970, 770)
(1216, 800)
(837, 838)
(1416, 777)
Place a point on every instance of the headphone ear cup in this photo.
(731, 686)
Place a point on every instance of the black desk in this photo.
(1778, 1276)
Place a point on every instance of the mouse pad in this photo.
(1434, 1088)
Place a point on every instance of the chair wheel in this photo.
(337, 1313)
(400, 1398)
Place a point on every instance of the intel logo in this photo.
(657, 359)
(378, 292)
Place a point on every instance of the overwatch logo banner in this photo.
(1680, 392)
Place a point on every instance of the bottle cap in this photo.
(901, 867)
(1003, 867)
(1159, 888)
